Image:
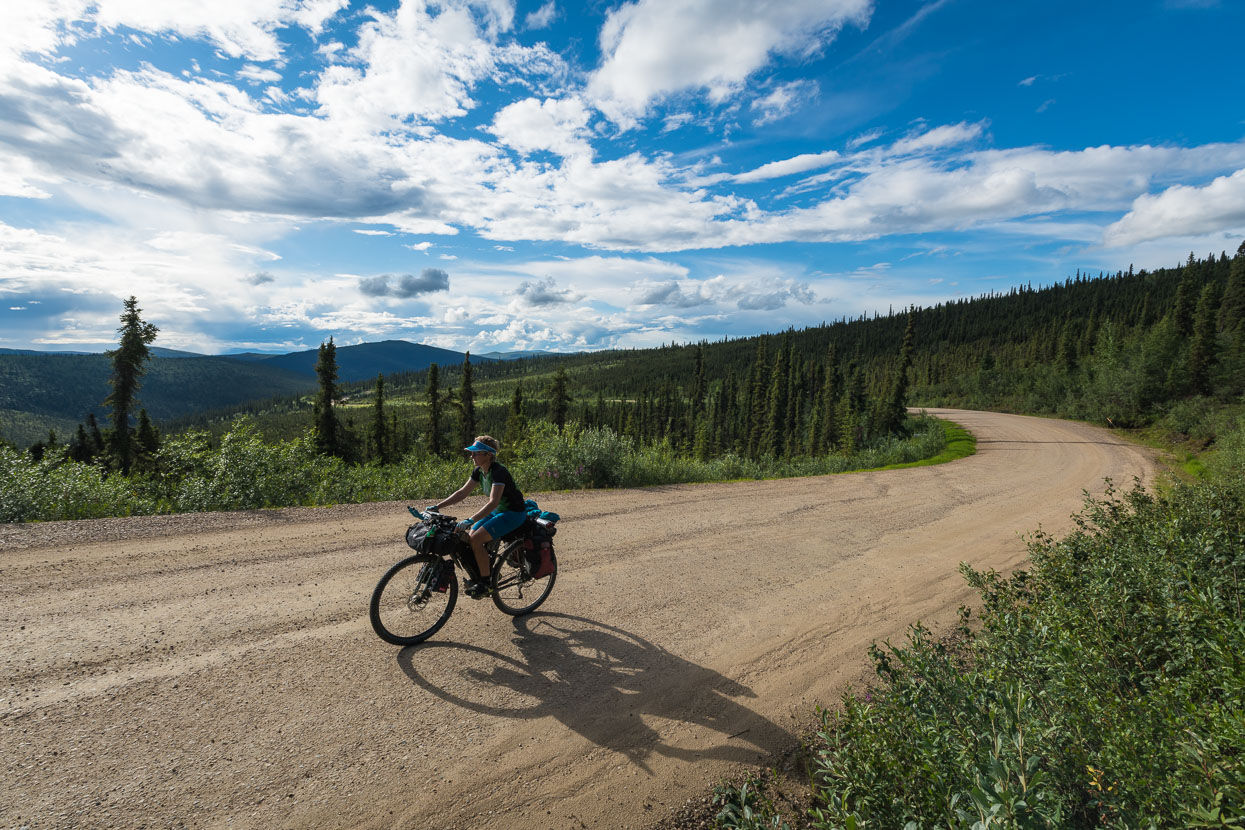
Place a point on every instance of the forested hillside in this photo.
(39, 392)
(1123, 349)
(42, 391)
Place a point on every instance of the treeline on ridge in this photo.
(1122, 349)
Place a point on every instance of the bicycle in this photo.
(415, 597)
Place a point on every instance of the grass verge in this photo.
(960, 443)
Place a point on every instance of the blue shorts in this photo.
(502, 522)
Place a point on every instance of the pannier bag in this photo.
(539, 550)
(441, 582)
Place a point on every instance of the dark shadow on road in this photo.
(602, 682)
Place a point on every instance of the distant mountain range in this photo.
(40, 391)
(362, 362)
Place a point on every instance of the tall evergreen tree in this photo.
(896, 410)
(824, 428)
(1203, 350)
(774, 442)
(328, 431)
(847, 415)
(795, 403)
(559, 399)
(758, 401)
(436, 445)
(380, 429)
(467, 404)
(146, 442)
(80, 446)
(1232, 307)
(516, 421)
(97, 437)
(698, 383)
(1066, 359)
(1186, 298)
(128, 364)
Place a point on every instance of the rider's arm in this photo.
(457, 496)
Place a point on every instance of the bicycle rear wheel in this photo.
(514, 591)
(405, 608)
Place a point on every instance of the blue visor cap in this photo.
(478, 447)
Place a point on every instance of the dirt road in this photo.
(219, 670)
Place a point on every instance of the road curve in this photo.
(219, 670)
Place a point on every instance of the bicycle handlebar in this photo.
(431, 516)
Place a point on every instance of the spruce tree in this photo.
(380, 430)
(896, 411)
(758, 401)
(1186, 298)
(1066, 359)
(831, 391)
(1232, 307)
(128, 364)
(698, 383)
(847, 417)
(1202, 352)
(96, 437)
(146, 442)
(774, 442)
(433, 393)
(80, 446)
(516, 422)
(559, 399)
(795, 403)
(467, 404)
(328, 431)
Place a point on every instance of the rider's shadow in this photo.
(603, 683)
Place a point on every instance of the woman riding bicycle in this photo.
(503, 513)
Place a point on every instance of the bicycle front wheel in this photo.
(406, 608)
(515, 592)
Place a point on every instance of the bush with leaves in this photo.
(1104, 689)
(572, 458)
(245, 472)
(746, 806)
(56, 487)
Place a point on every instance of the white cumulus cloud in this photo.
(554, 125)
(654, 48)
(1183, 210)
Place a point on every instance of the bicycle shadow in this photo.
(605, 684)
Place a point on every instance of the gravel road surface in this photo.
(218, 670)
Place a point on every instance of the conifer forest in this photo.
(1162, 349)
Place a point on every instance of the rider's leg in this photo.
(478, 538)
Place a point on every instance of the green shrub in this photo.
(1104, 688)
(56, 487)
(574, 458)
(746, 806)
(245, 472)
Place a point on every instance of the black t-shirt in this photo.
(511, 497)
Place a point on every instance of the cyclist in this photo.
(502, 513)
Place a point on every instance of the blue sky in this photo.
(263, 174)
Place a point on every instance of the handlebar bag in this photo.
(419, 537)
